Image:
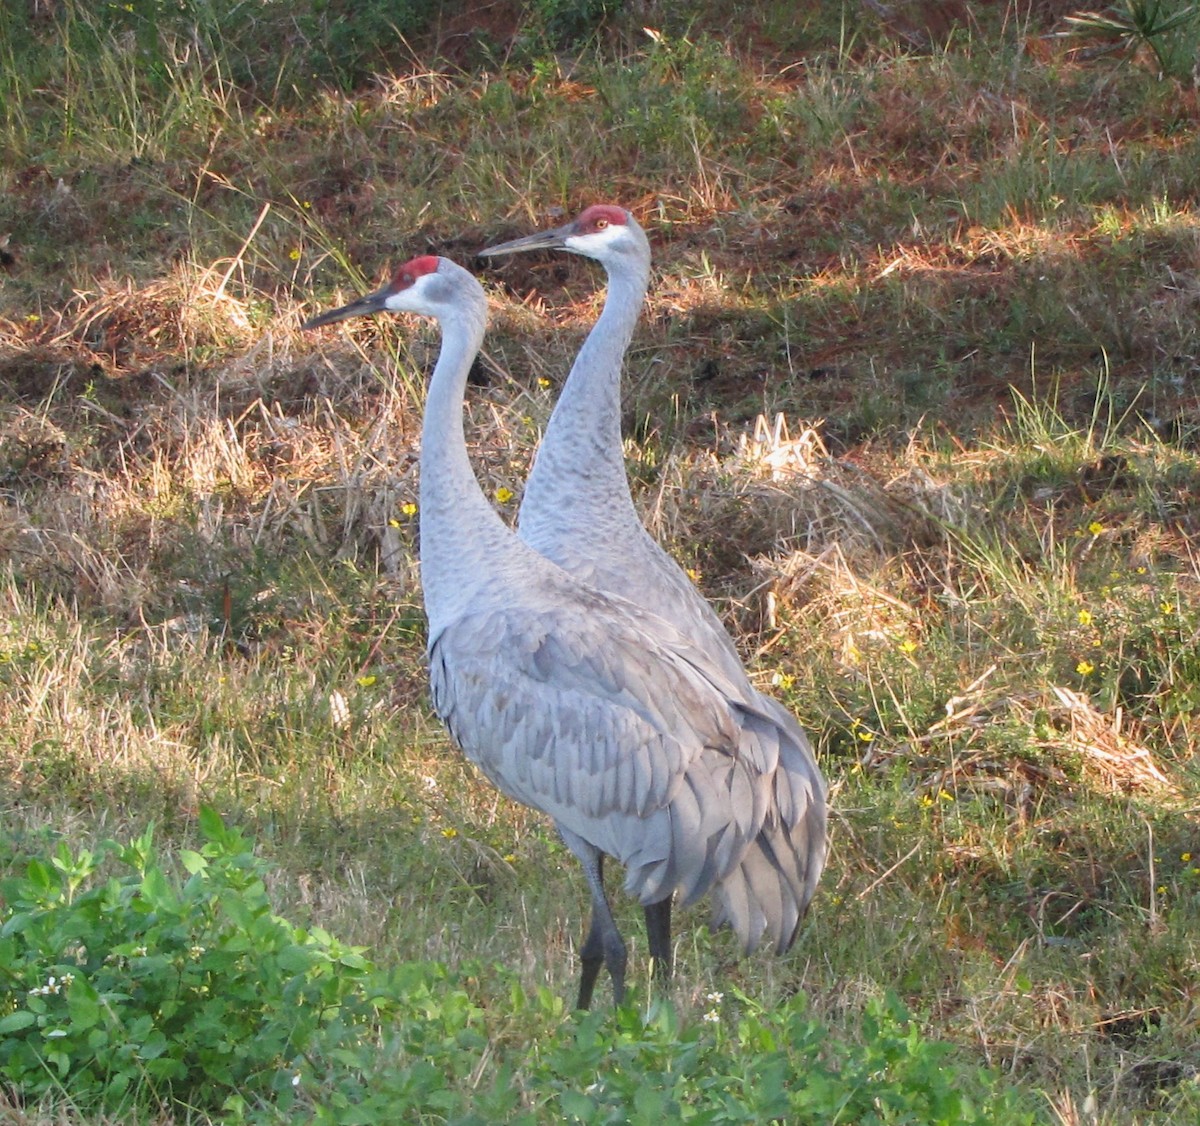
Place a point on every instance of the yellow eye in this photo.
(601, 224)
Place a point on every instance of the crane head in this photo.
(396, 296)
(599, 231)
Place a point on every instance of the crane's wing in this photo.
(613, 733)
(770, 888)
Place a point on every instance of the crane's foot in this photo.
(658, 934)
(587, 978)
(603, 944)
(603, 947)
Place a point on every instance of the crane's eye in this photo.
(601, 224)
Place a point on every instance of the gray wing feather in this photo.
(770, 888)
(640, 744)
(614, 735)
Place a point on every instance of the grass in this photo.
(957, 259)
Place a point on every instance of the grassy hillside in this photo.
(915, 398)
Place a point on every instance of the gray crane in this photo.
(578, 703)
(577, 510)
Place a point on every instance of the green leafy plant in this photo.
(125, 988)
(743, 1063)
(1141, 23)
(128, 987)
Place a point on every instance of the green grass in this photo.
(961, 271)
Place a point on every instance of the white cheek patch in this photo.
(585, 244)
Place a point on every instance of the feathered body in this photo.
(577, 510)
(573, 701)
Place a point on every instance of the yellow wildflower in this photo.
(449, 834)
(1085, 617)
(408, 509)
(365, 681)
(1085, 668)
(504, 494)
(1095, 527)
(908, 645)
(294, 256)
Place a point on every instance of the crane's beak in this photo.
(371, 303)
(543, 240)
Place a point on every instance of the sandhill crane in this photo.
(577, 510)
(579, 703)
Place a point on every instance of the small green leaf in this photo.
(211, 824)
(192, 861)
(295, 959)
(156, 890)
(153, 1046)
(14, 1022)
(576, 1105)
(39, 875)
(83, 1003)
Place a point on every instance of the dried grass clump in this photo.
(123, 326)
(785, 508)
(796, 496)
(1073, 730)
(182, 469)
(1106, 752)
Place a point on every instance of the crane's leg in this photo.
(658, 933)
(591, 955)
(603, 945)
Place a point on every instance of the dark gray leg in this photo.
(658, 932)
(591, 956)
(603, 944)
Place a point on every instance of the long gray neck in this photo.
(463, 540)
(581, 460)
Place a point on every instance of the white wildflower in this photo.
(339, 710)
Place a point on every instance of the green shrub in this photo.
(134, 989)
(746, 1064)
(126, 989)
